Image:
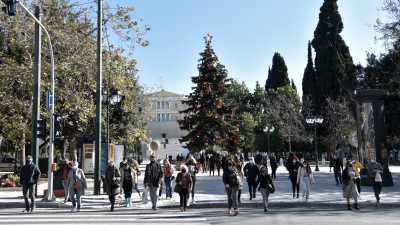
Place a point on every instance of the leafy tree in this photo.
(282, 111)
(209, 120)
(73, 35)
(277, 75)
(335, 71)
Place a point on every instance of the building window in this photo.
(158, 117)
(162, 105)
(176, 105)
(163, 117)
(158, 105)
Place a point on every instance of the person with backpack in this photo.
(231, 180)
(183, 186)
(29, 177)
(152, 179)
(168, 175)
(265, 186)
(76, 185)
(128, 177)
(112, 182)
(349, 186)
(305, 178)
(251, 173)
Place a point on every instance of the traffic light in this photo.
(10, 7)
(57, 127)
(41, 129)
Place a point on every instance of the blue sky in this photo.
(246, 35)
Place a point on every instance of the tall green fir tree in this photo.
(208, 119)
(309, 79)
(278, 73)
(335, 71)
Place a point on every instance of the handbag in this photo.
(115, 182)
(271, 188)
(178, 188)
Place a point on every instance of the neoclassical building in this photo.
(161, 116)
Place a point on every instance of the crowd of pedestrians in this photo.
(159, 175)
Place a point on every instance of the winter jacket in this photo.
(231, 177)
(337, 165)
(153, 174)
(75, 176)
(302, 172)
(132, 174)
(251, 172)
(185, 180)
(293, 169)
(263, 181)
(29, 175)
(112, 174)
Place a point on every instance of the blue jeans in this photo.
(168, 188)
(76, 202)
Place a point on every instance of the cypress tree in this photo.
(335, 71)
(278, 74)
(309, 77)
(208, 118)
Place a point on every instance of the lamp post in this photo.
(269, 130)
(315, 121)
(112, 98)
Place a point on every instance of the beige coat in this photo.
(133, 174)
(302, 173)
(80, 177)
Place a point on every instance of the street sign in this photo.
(49, 99)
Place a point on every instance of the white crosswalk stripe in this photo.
(86, 217)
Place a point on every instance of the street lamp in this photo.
(269, 130)
(315, 121)
(111, 98)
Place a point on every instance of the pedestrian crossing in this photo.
(90, 216)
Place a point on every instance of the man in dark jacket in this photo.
(337, 169)
(152, 179)
(29, 176)
(231, 181)
(251, 173)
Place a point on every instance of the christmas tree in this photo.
(208, 119)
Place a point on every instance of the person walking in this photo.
(274, 165)
(168, 173)
(135, 165)
(305, 178)
(152, 179)
(265, 186)
(231, 180)
(337, 170)
(292, 166)
(239, 167)
(76, 185)
(349, 186)
(63, 171)
(183, 186)
(128, 177)
(251, 173)
(193, 170)
(212, 161)
(29, 177)
(376, 178)
(357, 166)
(113, 183)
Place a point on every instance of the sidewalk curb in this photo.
(276, 205)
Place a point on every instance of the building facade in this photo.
(161, 115)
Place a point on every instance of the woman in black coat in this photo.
(112, 183)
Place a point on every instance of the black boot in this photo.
(112, 208)
(348, 206)
(356, 206)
